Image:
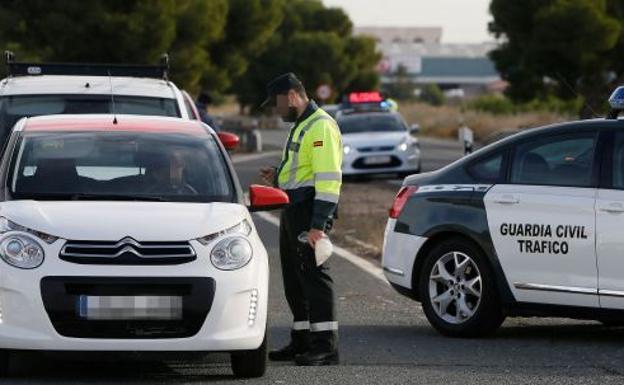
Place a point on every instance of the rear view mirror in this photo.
(264, 198)
(230, 141)
(414, 128)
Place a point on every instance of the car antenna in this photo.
(110, 82)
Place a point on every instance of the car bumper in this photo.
(357, 163)
(399, 255)
(28, 322)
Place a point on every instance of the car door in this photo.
(609, 225)
(542, 220)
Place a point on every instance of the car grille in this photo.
(61, 298)
(375, 149)
(127, 252)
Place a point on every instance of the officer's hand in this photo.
(267, 174)
(314, 236)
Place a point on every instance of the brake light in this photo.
(401, 198)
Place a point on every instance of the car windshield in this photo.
(370, 123)
(119, 166)
(15, 107)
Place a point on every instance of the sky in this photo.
(463, 21)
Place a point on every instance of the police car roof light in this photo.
(86, 69)
(365, 97)
(616, 102)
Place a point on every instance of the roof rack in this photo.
(87, 69)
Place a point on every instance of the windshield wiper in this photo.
(116, 197)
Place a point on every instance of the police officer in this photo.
(310, 173)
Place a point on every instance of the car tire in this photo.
(250, 363)
(457, 290)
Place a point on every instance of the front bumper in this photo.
(27, 318)
(355, 163)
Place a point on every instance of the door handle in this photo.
(613, 208)
(507, 200)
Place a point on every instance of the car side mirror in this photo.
(230, 141)
(414, 128)
(264, 198)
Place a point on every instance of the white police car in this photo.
(129, 233)
(530, 225)
(375, 139)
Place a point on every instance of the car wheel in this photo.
(457, 290)
(250, 363)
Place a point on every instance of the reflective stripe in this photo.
(292, 172)
(301, 325)
(295, 185)
(328, 197)
(337, 176)
(324, 326)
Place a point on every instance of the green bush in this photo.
(494, 104)
(432, 94)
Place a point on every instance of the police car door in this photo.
(610, 225)
(542, 220)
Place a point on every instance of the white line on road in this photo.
(249, 157)
(360, 262)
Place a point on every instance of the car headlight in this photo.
(231, 253)
(21, 251)
(403, 146)
(8, 225)
(347, 149)
(243, 228)
(406, 144)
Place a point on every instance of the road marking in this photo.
(368, 267)
(249, 157)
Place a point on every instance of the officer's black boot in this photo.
(323, 351)
(299, 344)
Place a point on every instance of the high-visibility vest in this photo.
(313, 159)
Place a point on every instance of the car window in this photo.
(169, 167)
(562, 160)
(188, 107)
(488, 169)
(618, 161)
(382, 122)
(15, 107)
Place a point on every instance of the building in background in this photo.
(460, 70)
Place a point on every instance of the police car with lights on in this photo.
(527, 226)
(375, 139)
(129, 233)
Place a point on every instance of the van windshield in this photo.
(15, 107)
(119, 166)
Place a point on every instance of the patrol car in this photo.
(529, 225)
(33, 89)
(129, 233)
(375, 139)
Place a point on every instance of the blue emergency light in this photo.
(616, 102)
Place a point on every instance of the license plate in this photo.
(108, 308)
(377, 160)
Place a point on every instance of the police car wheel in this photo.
(457, 290)
(250, 363)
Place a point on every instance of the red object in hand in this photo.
(401, 198)
(266, 198)
(230, 141)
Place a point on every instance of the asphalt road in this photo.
(384, 339)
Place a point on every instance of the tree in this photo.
(553, 45)
(317, 44)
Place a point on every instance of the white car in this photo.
(33, 89)
(378, 142)
(129, 233)
(528, 226)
